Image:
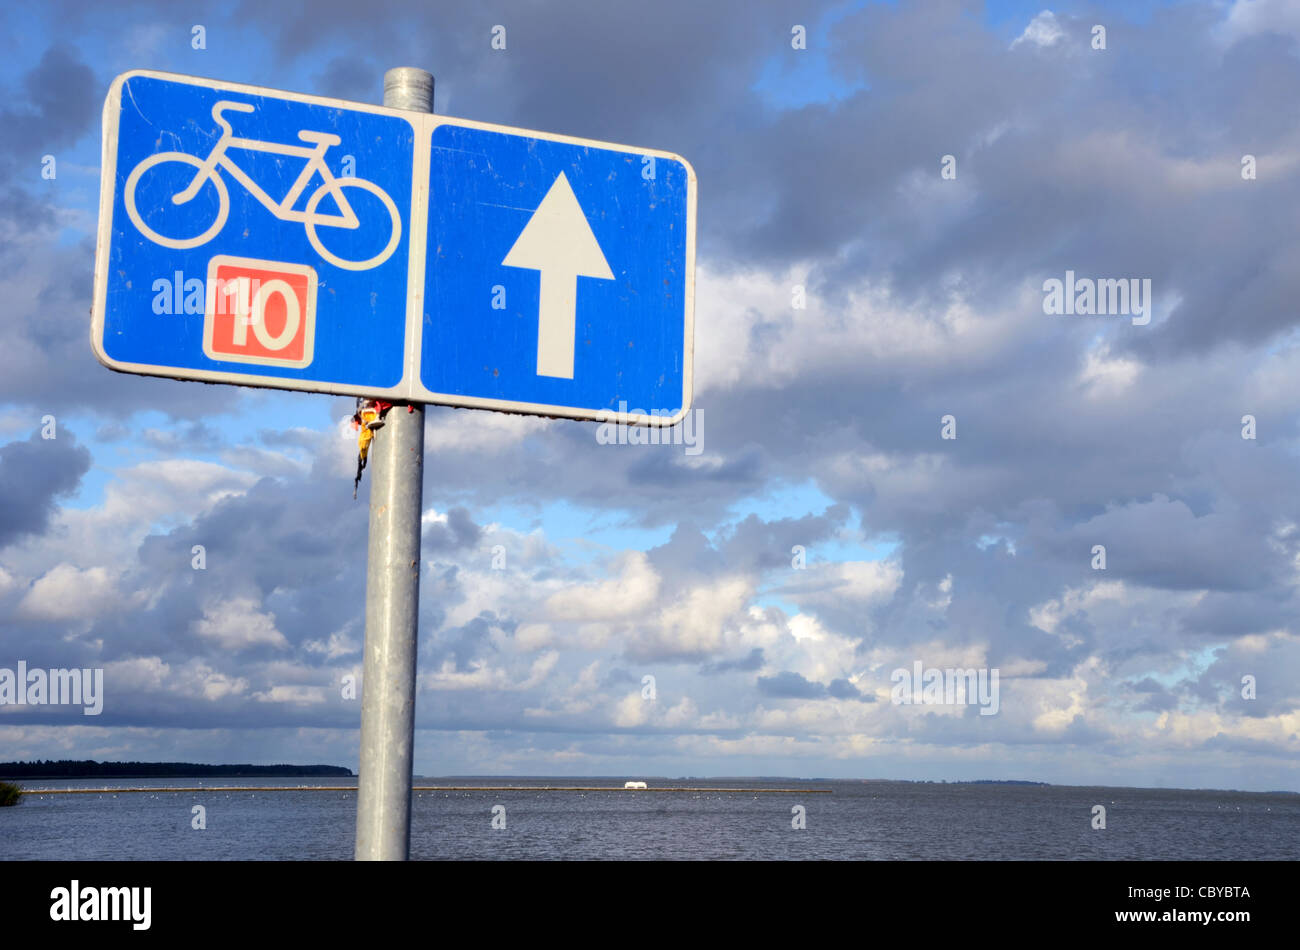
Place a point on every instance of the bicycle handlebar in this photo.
(225, 105)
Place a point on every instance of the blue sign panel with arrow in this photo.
(557, 276)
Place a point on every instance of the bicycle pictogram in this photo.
(309, 217)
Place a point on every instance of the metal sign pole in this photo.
(392, 596)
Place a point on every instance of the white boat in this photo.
(634, 785)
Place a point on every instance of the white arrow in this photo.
(557, 241)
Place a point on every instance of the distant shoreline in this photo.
(88, 768)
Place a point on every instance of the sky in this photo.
(915, 466)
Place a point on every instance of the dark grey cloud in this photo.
(53, 107)
(790, 685)
(1153, 697)
(34, 474)
(188, 438)
(749, 545)
(749, 663)
(457, 533)
(293, 550)
(465, 644)
(351, 77)
(618, 676)
(843, 689)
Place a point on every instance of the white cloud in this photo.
(479, 431)
(1105, 376)
(295, 694)
(629, 595)
(238, 624)
(860, 583)
(67, 592)
(871, 330)
(701, 623)
(144, 674)
(198, 678)
(1248, 18)
(1043, 30)
(338, 644)
(481, 676)
(631, 711)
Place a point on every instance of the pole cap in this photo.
(410, 88)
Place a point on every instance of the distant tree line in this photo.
(1001, 781)
(86, 768)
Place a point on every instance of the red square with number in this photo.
(260, 312)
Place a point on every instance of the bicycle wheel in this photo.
(223, 195)
(364, 185)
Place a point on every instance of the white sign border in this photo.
(410, 389)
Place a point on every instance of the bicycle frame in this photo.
(283, 209)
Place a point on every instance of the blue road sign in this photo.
(557, 275)
(264, 238)
(254, 238)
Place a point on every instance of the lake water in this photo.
(859, 820)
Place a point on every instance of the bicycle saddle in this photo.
(327, 137)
